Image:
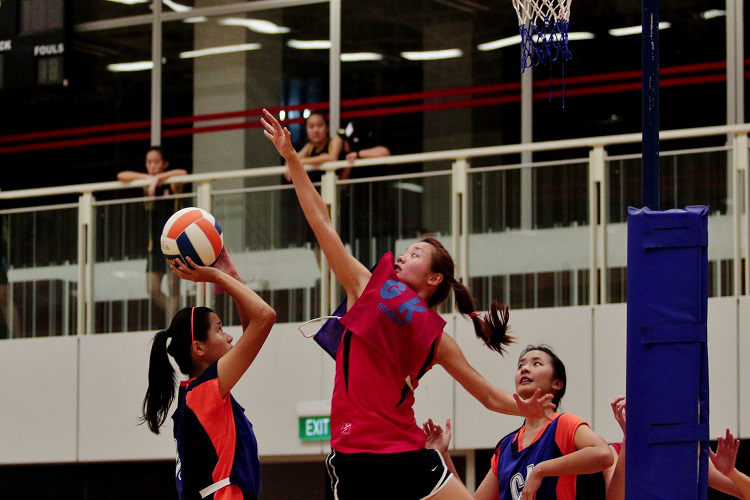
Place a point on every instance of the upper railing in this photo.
(521, 232)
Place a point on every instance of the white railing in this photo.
(460, 170)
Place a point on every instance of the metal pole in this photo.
(334, 85)
(650, 100)
(156, 56)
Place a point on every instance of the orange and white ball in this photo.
(192, 232)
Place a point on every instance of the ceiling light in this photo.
(431, 55)
(176, 6)
(710, 14)
(193, 20)
(130, 66)
(256, 25)
(499, 44)
(635, 30)
(226, 49)
(128, 2)
(409, 186)
(361, 56)
(309, 44)
(282, 115)
(575, 35)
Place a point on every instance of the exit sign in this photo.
(314, 428)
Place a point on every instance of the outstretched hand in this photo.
(536, 406)
(436, 438)
(192, 271)
(618, 409)
(280, 137)
(726, 453)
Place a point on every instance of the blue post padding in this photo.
(667, 365)
(329, 335)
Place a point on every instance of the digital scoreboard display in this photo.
(33, 35)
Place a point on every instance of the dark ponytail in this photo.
(161, 375)
(492, 328)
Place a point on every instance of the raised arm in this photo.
(257, 318)
(450, 357)
(350, 273)
(723, 461)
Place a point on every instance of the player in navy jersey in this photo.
(217, 455)
(542, 458)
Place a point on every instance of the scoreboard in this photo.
(33, 36)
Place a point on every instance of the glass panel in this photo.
(39, 275)
(696, 177)
(544, 265)
(388, 215)
(277, 258)
(415, 99)
(220, 71)
(133, 288)
(92, 126)
(603, 79)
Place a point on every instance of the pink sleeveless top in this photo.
(390, 342)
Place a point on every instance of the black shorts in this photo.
(410, 475)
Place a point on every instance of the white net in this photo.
(541, 12)
(543, 25)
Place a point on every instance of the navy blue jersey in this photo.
(512, 463)
(215, 441)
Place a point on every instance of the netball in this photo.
(192, 232)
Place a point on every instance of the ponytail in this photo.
(492, 328)
(161, 382)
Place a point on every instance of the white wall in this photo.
(70, 399)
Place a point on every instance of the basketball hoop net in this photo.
(544, 31)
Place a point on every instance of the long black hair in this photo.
(558, 369)
(492, 327)
(161, 374)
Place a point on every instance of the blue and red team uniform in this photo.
(512, 463)
(215, 442)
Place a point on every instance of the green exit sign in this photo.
(314, 428)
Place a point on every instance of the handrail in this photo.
(447, 155)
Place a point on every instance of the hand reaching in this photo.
(726, 453)
(224, 263)
(618, 408)
(280, 137)
(536, 406)
(437, 438)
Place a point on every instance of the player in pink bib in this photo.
(393, 336)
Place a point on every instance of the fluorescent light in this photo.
(176, 6)
(309, 44)
(226, 49)
(256, 25)
(282, 115)
(431, 55)
(635, 30)
(499, 44)
(193, 20)
(575, 35)
(409, 186)
(712, 13)
(129, 2)
(361, 56)
(130, 66)
(306, 114)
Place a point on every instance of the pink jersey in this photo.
(390, 342)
